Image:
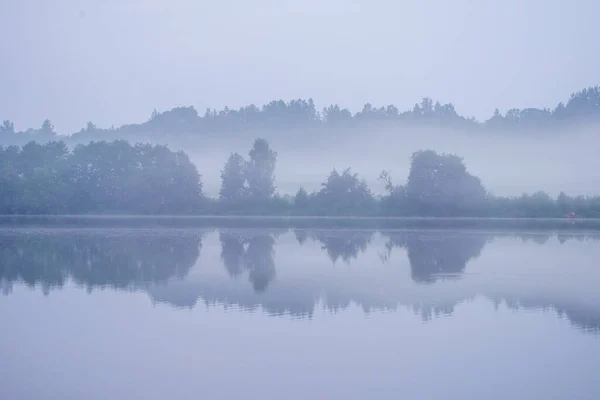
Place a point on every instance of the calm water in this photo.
(298, 314)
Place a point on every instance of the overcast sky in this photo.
(114, 61)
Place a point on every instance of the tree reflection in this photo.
(97, 259)
(232, 253)
(149, 260)
(538, 238)
(301, 236)
(249, 252)
(345, 245)
(432, 256)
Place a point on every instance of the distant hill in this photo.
(182, 124)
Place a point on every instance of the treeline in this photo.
(581, 107)
(120, 178)
(97, 178)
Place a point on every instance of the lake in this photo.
(221, 313)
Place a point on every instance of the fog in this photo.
(113, 62)
(507, 163)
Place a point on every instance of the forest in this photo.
(120, 178)
(186, 123)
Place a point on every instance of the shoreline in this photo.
(306, 222)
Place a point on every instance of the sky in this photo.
(114, 61)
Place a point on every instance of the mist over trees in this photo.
(185, 123)
(249, 184)
(97, 178)
(120, 178)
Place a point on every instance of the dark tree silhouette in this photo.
(439, 185)
(185, 124)
(233, 179)
(118, 178)
(100, 177)
(260, 170)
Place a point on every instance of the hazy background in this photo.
(114, 61)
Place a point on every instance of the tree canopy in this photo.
(120, 178)
(97, 178)
(186, 122)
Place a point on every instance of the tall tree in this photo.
(260, 170)
(233, 179)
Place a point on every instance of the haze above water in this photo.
(185, 313)
(507, 164)
(113, 62)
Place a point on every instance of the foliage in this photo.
(581, 107)
(344, 194)
(260, 171)
(439, 185)
(97, 178)
(233, 179)
(117, 177)
(249, 186)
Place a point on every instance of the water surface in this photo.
(123, 313)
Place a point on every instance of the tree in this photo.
(439, 185)
(47, 128)
(564, 203)
(584, 104)
(90, 127)
(335, 115)
(345, 194)
(395, 202)
(536, 205)
(233, 179)
(185, 123)
(99, 177)
(7, 128)
(301, 200)
(260, 170)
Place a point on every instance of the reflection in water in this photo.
(251, 252)
(160, 263)
(346, 245)
(587, 318)
(97, 259)
(433, 256)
